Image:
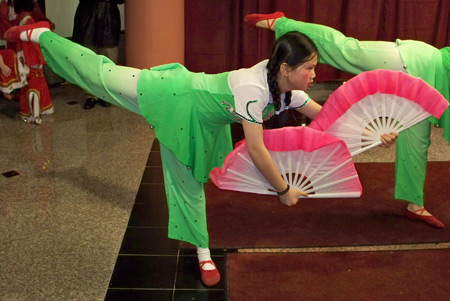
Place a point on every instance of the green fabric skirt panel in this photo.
(80, 66)
(190, 113)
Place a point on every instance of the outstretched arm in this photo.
(263, 161)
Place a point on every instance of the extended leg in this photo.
(411, 162)
(344, 53)
(91, 72)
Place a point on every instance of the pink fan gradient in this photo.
(377, 102)
(308, 160)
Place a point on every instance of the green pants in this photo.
(353, 56)
(118, 85)
(186, 201)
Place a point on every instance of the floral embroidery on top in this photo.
(234, 115)
(267, 113)
(251, 119)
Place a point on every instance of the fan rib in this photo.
(304, 172)
(280, 165)
(243, 177)
(297, 169)
(245, 159)
(335, 195)
(327, 158)
(335, 169)
(343, 180)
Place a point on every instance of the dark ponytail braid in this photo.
(293, 48)
(273, 85)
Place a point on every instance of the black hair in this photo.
(294, 49)
(23, 6)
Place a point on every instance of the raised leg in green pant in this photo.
(353, 56)
(118, 85)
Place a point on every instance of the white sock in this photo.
(34, 35)
(204, 255)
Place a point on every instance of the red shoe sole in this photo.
(429, 219)
(255, 18)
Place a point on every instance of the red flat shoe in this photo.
(255, 18)
(429, 219)
(209, 277)
(13, 33)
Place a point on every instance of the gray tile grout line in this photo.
(176, 273)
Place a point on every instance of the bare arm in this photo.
(263, 161)
(311, 109)
(6, 71)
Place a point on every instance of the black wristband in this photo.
(284, 191)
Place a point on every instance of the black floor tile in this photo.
(157, 272)
(155, 145)
(138, 295)
(149, 215)
(152, 194)
(154, 159)
(188, 273)
(152, 174)
(200, 295)
(153, 241)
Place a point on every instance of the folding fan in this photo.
(307, 159)
(374, 103)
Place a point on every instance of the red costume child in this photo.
(35, 97)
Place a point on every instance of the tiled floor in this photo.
(67, 188)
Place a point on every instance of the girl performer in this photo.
(191, 113)
(413, 57)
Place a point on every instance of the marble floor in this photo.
(67, 189)
(67, 192)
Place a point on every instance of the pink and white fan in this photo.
(307, 159)
(374, 103)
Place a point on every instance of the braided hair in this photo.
(294, 49)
